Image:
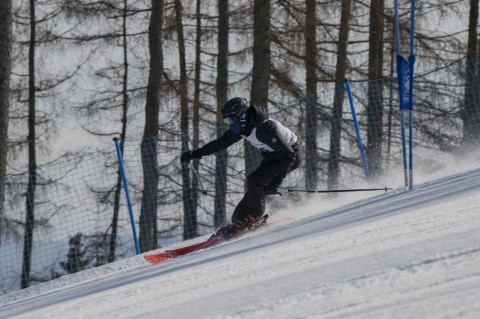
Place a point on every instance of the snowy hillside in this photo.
(398, 255)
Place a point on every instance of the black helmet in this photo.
(235, 107)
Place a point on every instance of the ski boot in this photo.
(234, 230)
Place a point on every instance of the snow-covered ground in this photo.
(397, 255)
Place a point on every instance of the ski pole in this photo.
(282, 190)
(204, 192)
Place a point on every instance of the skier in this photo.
(278, 146)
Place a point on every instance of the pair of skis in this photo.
(170, 254)
(223, 234)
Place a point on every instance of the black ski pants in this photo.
(253, 203)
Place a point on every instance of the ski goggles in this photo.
(229, 120)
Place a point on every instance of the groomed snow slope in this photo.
(398, 255)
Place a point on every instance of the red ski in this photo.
(220, 236)
(157, 258)
(169, 254)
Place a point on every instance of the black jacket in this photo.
(266, 133)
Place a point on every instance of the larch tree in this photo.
(190, 217)
(148, 215)
(123, 133)
(34, 91)
(311, 121)
(260, 70)
(375, 90)
(196, 98)
(5, 69)
(109, 100)
(32, 157)
(471, 111)
(337, 116)
(221, 87)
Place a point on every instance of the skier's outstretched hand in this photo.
(189, 155)
(186, 157)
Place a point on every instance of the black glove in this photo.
(189, 155)
(271, 190)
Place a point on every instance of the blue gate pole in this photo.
(357, 131)
(404, 147)
(410, 142)
(400, 90)
(411, 62)
(127, 194)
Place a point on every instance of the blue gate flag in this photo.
(405, 81)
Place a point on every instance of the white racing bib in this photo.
(282, 131)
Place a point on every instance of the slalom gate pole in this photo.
(281, 190)
(127, 194)
(204, 192)
(411, 62)
(357, 130)
(404, 148)
(405, 70)
(400, 72)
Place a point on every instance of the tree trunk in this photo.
(260, 71)
(311, 120)
(375, 90)
(261, 53)
(196, 103)
(148, 215)
(222, 96)
(190, 217)
(336, 129)
(123, 134)
(32, 162)
(5, 69)
(471, 112)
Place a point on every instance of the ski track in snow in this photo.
(398, 255)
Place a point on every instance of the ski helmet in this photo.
(235, 107)
(234, 114)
